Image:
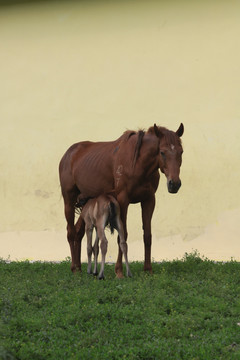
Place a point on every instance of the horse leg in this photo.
(118, 266)
(104, 244)
(123, 245)
(96, 252)
(89, 231)
(80, 231)
(69, 209)
(147, 211)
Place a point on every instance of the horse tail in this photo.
(112, 217)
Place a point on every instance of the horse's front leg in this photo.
(124, 208)
(123, 245)
(147, 211)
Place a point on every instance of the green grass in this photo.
(188, 309)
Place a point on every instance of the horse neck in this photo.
(149, 153)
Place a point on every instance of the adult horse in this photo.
(129, 166)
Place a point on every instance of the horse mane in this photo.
(126, 136)
(138, 146)
(169, 135)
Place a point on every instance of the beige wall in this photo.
(72, 71)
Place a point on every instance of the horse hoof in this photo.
(148, 272)
(119, 275)
(73, 268)
(95, 273)
(101, 277)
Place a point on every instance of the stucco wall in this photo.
(89, 70)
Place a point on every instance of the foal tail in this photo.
(112, 217)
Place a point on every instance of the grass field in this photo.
(188, 309)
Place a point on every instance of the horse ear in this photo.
(180, 130)
(156, 130)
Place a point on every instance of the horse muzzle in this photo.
(173, 186)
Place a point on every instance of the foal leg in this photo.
(147, 211)
(89, 231)
(104, 244)
(96, 252)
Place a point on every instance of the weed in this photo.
(188, 309)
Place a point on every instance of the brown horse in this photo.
(129, 165)
(98, 213)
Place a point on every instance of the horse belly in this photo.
(90, 188)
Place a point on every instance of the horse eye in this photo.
(163, 154)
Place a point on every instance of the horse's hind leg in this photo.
(69, 208)
(80, 231)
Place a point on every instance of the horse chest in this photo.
(141, 193)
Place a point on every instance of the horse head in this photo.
(170, 155)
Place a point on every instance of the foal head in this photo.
(170, 155)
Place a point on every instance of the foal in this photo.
(98, 213)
